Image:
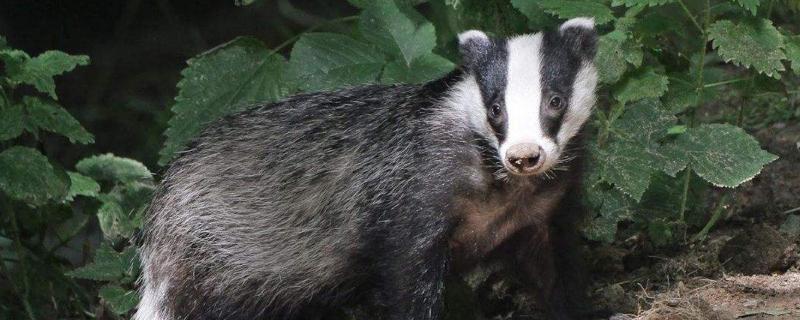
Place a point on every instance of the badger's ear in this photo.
(580, 37)
(473, 44)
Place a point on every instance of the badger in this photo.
(370, 196)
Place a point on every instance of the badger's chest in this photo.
(483, 222)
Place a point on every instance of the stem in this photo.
(698, 100)
(722, 83)
(689, 14)
(791, 210)
(714, 218)
(685, 195)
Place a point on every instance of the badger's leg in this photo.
(412, 267)
(548, 260)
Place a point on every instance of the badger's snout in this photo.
(525, 158)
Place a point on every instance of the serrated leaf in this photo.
(13, 59)
(568, 9)
(633, 156)
(613, 50)
(27, 175)
(645, 83)
(425, 68)
(109, 265)
(321, 61)
(793, 52)
(632, 3)
(133, 199)
(47, 115)
(616, 207)
(750, 5)
(628, 167)
(750, 43)
(114, 221)
(108, 167)
(81, 185)
(119, 300)
(722, 154)
(11, 121)
(400, 32)
(40, 70)
(223, 80)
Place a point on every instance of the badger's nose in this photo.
(525, 157)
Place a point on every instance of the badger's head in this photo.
(536, 91)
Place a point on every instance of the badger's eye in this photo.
(497, 110)
(556, 102)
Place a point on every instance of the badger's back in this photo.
(268, 208)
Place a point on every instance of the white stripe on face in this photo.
(523, 97)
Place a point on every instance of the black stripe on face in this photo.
(491, 73)
(558, 71)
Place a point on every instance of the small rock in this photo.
(751, 303)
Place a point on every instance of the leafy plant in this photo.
(45, 206)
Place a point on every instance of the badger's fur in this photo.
(371, 195)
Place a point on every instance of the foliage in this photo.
(46, 209)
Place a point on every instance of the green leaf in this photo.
(537, 18)
(39, 71)
(568, 9)
(722, 154)
(321, 61)
(750, 5)
(114, 222)
(402, 33)
(109, 265)
(615, 207)
(27, 175)
(228, 78)
(425, 68)
(118, 299)
(750, 43)
(81, 185)
(13, 60)
(49, 116)
(3, 43)
(632, 3)
(108, 167)
(645, 83)
(11, 121)
(633, 156)
(793, 52)
(610, 48)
